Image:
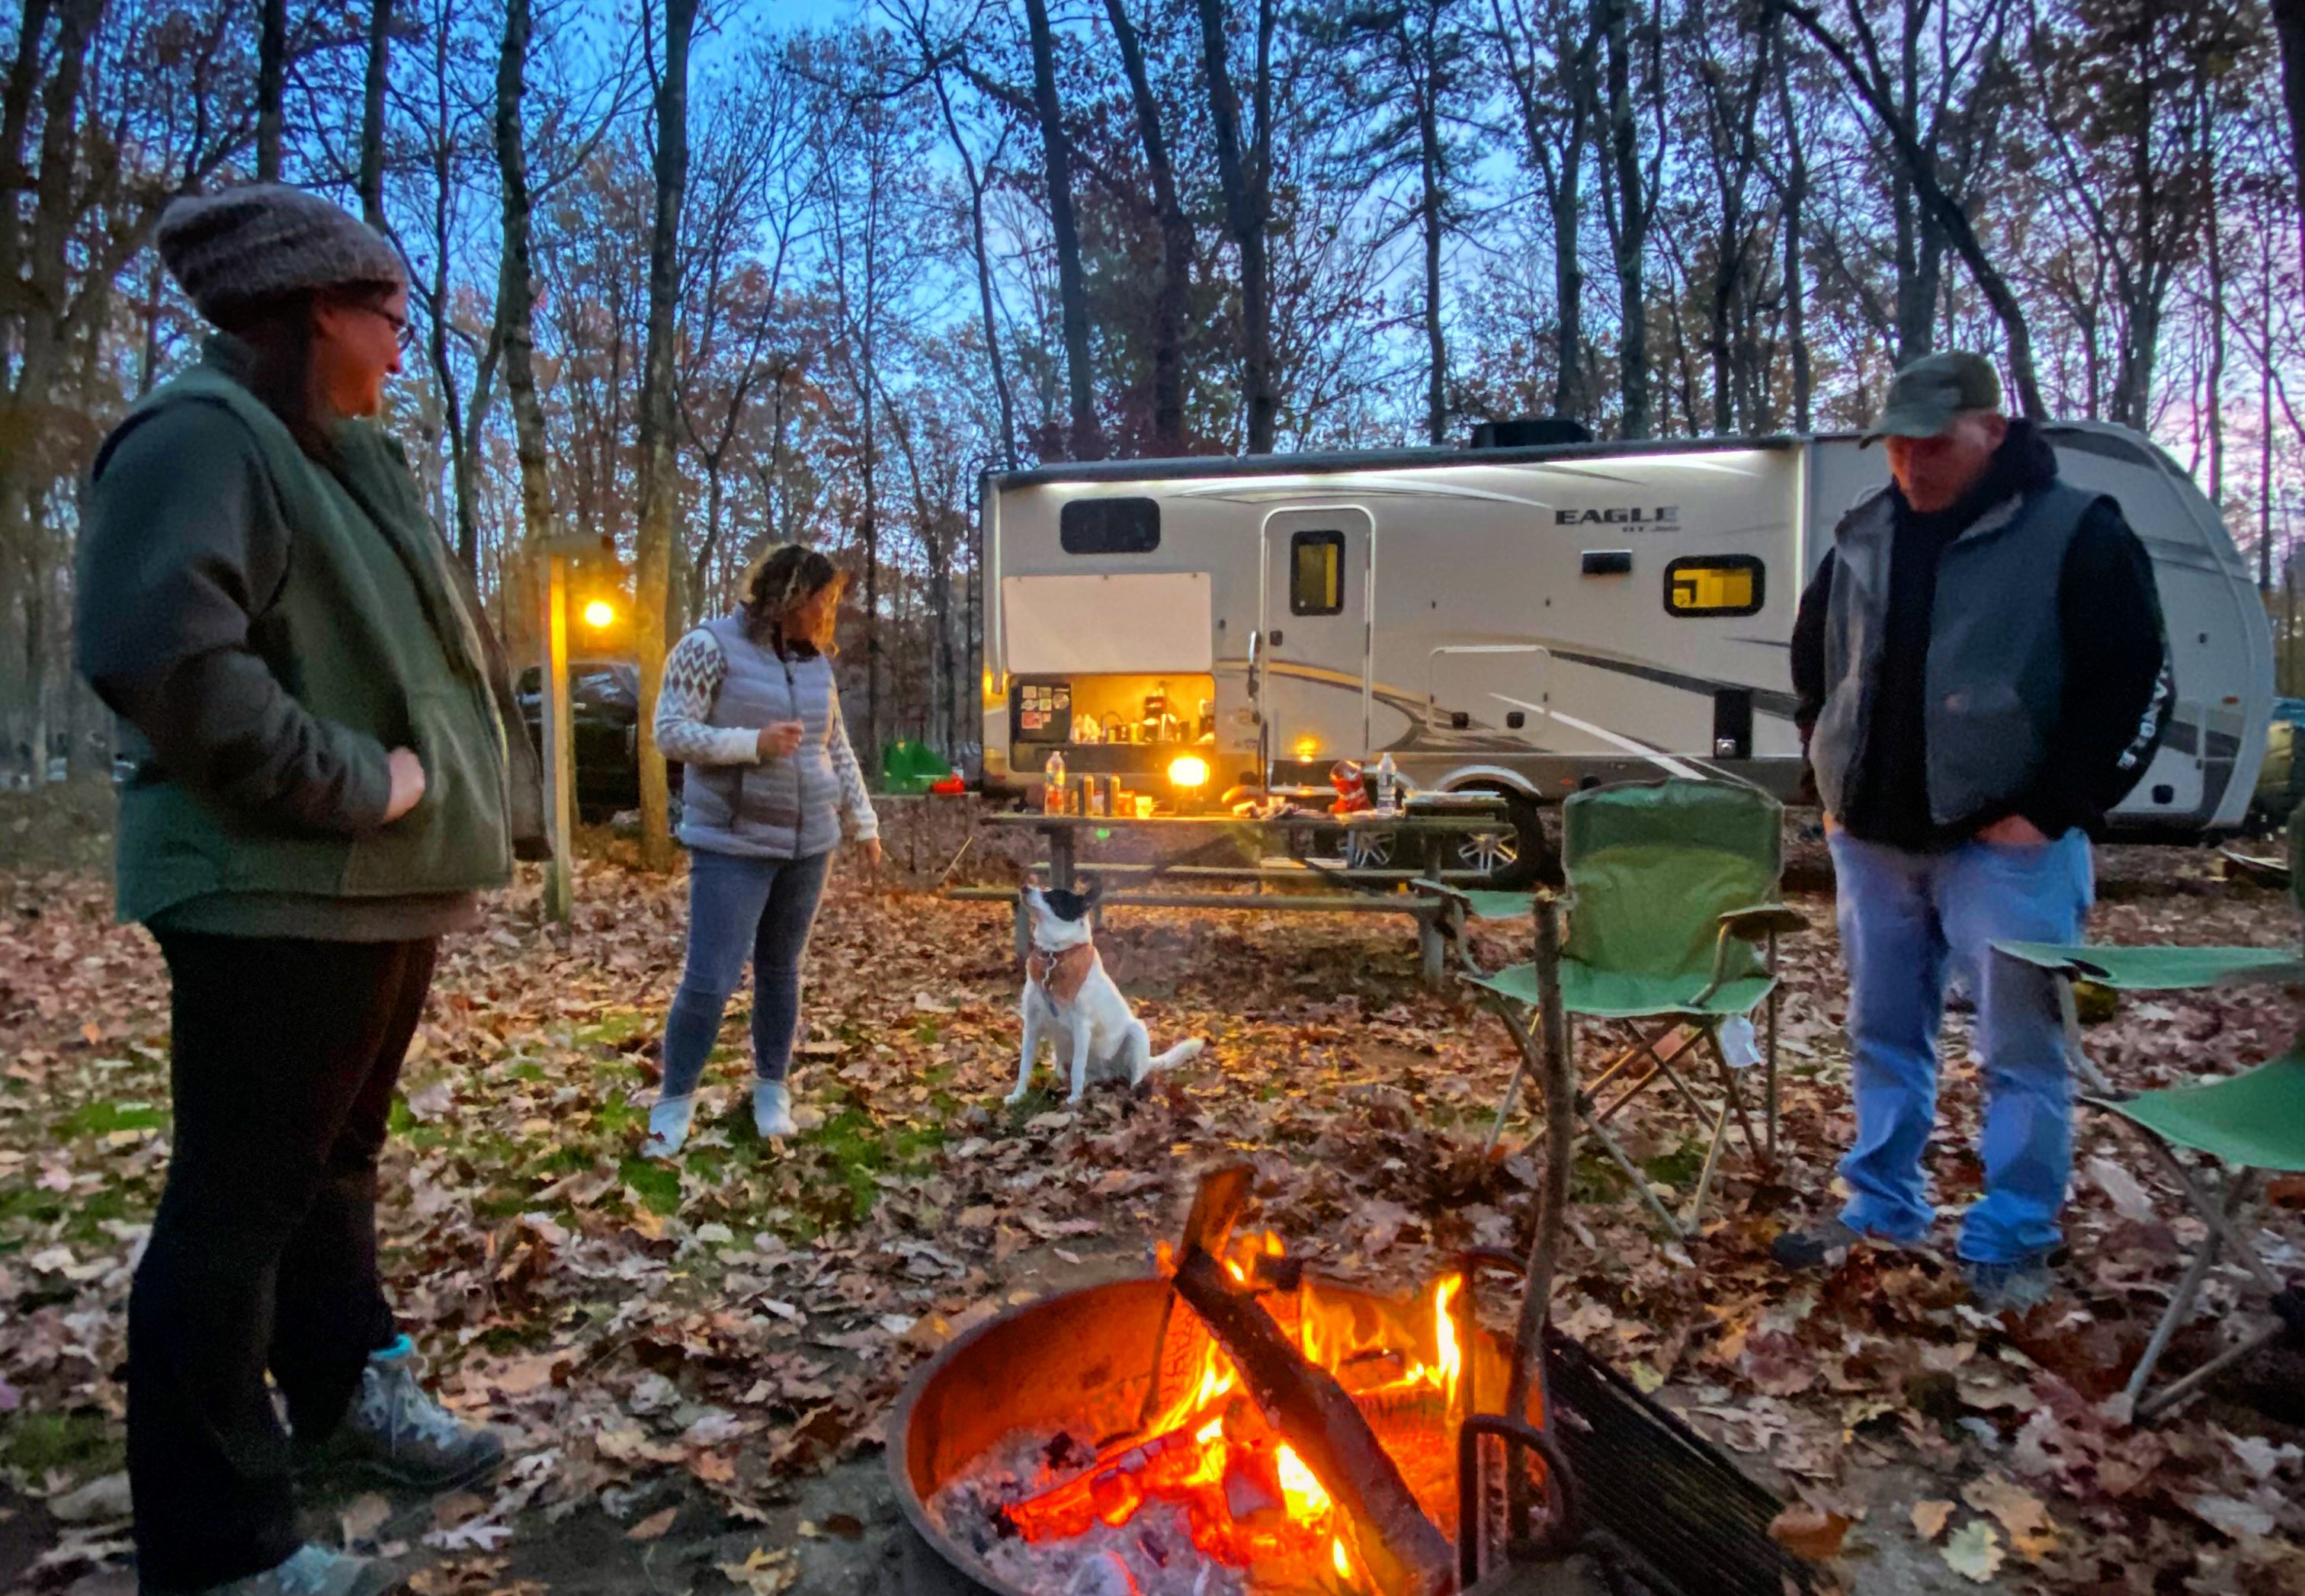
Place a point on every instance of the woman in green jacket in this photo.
(323, 784)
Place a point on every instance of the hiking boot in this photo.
(668, 1122)
(1823, 1247)
(396, 1430)
(772, 1113)
(308, 1571)
(2012, 1288)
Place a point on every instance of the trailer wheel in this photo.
(1518, 854)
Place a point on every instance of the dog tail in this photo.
(1177, 1054)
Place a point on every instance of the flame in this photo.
(1249, 1497)
(1308, 1500)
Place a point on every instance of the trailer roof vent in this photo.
(1529, 432)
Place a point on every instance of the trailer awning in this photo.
(1132, 622)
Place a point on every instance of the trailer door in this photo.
(1313, 676)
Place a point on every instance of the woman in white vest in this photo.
(750, 707)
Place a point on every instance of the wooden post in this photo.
(559, 746)
(1559, 1086)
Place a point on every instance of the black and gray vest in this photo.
(1995, 675)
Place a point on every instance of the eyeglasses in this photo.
(402, 328)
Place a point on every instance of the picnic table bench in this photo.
(1276, 872)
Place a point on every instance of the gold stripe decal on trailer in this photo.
(1715, 584)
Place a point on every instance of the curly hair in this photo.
(779, 582)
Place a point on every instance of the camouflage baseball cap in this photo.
(1928, 394)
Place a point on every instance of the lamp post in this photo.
(553, 711)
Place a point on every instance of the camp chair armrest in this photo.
(1762, 920)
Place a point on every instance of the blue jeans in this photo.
(739, 906)
(1902, 916)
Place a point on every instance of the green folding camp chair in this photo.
(2253, 1123)
(1673, 922)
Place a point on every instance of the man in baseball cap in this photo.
(1980, 668)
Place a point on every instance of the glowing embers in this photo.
(1245, 1496)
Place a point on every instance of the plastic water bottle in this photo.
(1052, 779)
(1388, 787)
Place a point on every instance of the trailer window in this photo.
(1715, 584)
(1317, 573)
(1110, 526)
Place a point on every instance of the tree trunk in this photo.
(1071, 288)
(2288, 23)
(983, 257)
(1632, 223)
(660, 473)
(1244, 182)
(271, 88)
(1918, 169)
(517, 280)
(371, 151)
(2213, 226)
(1176, 245)
(1795, 209)
(1429, 156)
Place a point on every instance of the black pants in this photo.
(282, 1059)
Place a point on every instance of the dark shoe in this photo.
(1821, 1247)
(396, 1431)
(2012, 1288)
(308, 1571)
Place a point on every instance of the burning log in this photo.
(1310, 1410)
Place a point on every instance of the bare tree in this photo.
(1548, 57)
(1175, 241)
(371, 139)
(1244, 170)
(1057, 166)
(659, 478)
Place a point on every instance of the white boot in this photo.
(668, 1125)
(773, 1114)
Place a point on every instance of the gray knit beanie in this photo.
(264, 240)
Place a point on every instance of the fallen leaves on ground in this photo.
(745, 1315)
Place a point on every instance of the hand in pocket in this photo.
(407, 789)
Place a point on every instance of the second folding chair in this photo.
(1673, 921)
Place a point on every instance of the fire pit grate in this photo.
(1682, 1516)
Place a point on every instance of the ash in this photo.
(1151, 1555)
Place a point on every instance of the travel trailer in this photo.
(1525, 621)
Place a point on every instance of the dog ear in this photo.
(1096, 893)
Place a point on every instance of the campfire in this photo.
(1234, 1425)
(1246, 1498)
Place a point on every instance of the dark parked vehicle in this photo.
(604, 699)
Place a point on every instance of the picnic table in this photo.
(1276, 875)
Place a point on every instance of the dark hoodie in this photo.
(2108, 611)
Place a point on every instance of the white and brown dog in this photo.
(1070, 1000)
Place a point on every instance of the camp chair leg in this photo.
(2077, 1056)
(1729, 1090)
(1696, 1105)
(1526, 1050)
(1712, 1162)
(1769, 1054)
(2179, 1390)
(1631, 1171)
(2180, 1308)
(2220, 1218)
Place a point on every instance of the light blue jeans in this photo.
(1902, 916)
(741, 907)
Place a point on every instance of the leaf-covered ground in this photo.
(694, 1360)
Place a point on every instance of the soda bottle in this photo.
(1052, 784)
